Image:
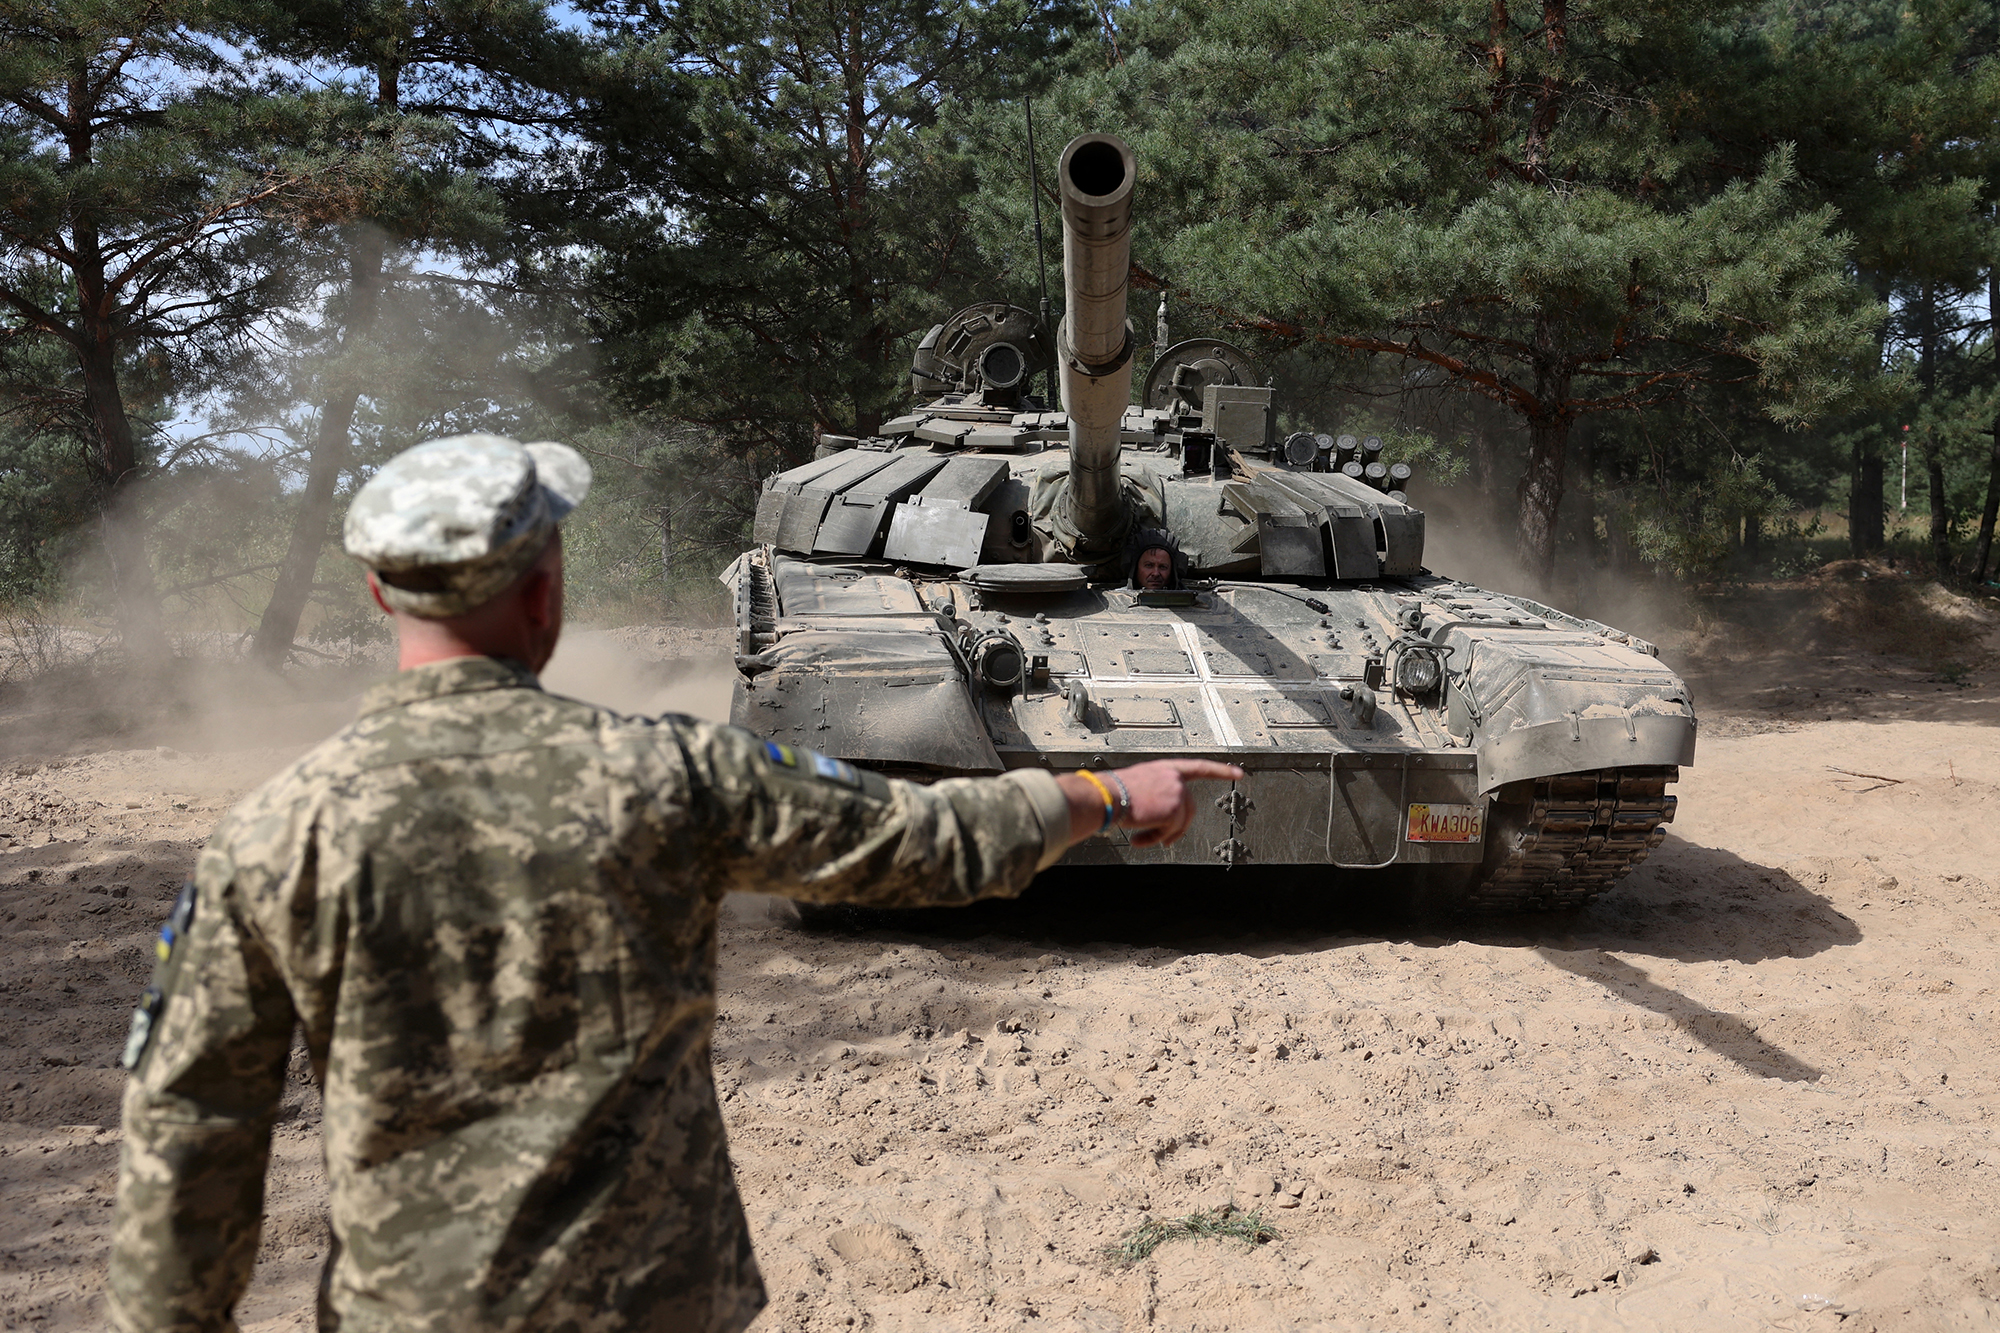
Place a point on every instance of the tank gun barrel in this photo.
(1095, 344)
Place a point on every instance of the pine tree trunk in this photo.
(99, 322)
(279, 627)
(1927, 350)
(1940, 515)
(123, 528)
(1864, 494)
(1541, 494)
(1864, 504)
(1857, 517)
(872, 347)
(1617, 541)
(367, 250)
(1982, 550)
(121, 523)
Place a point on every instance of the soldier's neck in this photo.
(422, 642)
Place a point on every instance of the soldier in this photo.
(493, 913)
(1156, 560)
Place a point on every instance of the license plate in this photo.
(1446, 823)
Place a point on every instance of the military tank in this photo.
(955, 595)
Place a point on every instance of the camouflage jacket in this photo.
(493, 912)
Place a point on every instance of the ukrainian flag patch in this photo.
(811, 761)
(177, 923)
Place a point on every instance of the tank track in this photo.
(1582, 831)
(756, 607)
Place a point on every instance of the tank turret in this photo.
(1094, 346)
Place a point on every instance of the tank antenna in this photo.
(1041, 257)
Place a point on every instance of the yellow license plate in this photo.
(1446, 823)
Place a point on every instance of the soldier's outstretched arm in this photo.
(1150, 800)
(769, 818)
(208, 1073)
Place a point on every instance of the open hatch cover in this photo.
(1026, 578)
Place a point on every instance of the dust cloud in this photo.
(200, 705)
(607, 668)
(1463, 543)
(1751, 1087)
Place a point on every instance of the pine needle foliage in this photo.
(1527, 203)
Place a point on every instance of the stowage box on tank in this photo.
(957, 595)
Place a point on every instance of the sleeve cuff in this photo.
(1045, 794)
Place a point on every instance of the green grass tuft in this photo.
(1225, 1222)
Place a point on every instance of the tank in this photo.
(992, 583)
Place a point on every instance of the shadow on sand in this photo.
(1688, 903)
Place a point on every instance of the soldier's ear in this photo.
(375, 591)
(539, 596)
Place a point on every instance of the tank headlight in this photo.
(1418, 672)
(997, 658)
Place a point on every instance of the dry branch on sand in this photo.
(1224, 1223)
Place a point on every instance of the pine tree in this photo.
(456, 94)
(1892, 109)
(1525, 202)
(138, 167)
(814, 225)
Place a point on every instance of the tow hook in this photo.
(1237, 807)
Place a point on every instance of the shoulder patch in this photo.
(837, 771)
(175, 927)
(140, 1034)
(147, 1015)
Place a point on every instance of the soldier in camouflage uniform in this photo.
(493, 912)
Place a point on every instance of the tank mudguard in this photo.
(885, 698)
(874, 723)
(1541, 701)
(1633, 737)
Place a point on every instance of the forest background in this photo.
(1665, 289)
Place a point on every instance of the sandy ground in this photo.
(1754, 1087)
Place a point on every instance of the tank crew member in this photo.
(493, 912)
(1156, 559)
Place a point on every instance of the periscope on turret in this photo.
(956, 595)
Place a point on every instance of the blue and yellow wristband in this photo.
(1111, 803)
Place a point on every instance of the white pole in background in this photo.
(1906, 469)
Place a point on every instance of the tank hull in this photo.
(1533, 777)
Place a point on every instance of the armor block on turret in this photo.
(1239, 416)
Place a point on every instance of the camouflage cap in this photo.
(448, 524)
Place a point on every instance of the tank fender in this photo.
(1543, 702)
(1632, 737)
(896, 698)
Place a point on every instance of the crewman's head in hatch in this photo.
(1156, 560)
